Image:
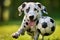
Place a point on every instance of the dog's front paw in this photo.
(15, 35)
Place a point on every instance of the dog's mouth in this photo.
(31, 23)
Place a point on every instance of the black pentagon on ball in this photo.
(46, 34)
(53, 28)
(51, 20)
(44, 25)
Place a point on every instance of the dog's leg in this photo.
(42, 37)
(21, 30)
(16, 34)
(36, 36)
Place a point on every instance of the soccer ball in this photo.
(46, 25)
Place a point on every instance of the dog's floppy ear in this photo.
(38, 4)
(43, 8)
(21, 8)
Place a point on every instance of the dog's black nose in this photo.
(31, 17)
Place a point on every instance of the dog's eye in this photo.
(27, 10)
(35, 9)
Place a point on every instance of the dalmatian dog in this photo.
(33, 11)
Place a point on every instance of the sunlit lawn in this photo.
(7, 30)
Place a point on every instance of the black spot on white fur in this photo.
(24, 20)
(26, 23)
(44, 25)
(44, 17)
(35, 9)
(37, 22)
(53, 28)
(27, 10)
(15, 36)
(23, 5)
(39, 5)
(51, 20)
(28, 30)
(24, 26)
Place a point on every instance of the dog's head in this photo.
(32, 10)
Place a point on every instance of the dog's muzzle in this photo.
(31, 17)
(32, 21)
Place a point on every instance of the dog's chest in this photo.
(31, 31)
(30, 24)
(30, 27)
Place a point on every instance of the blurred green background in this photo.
(10, 21)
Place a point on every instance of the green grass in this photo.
(7, 30)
